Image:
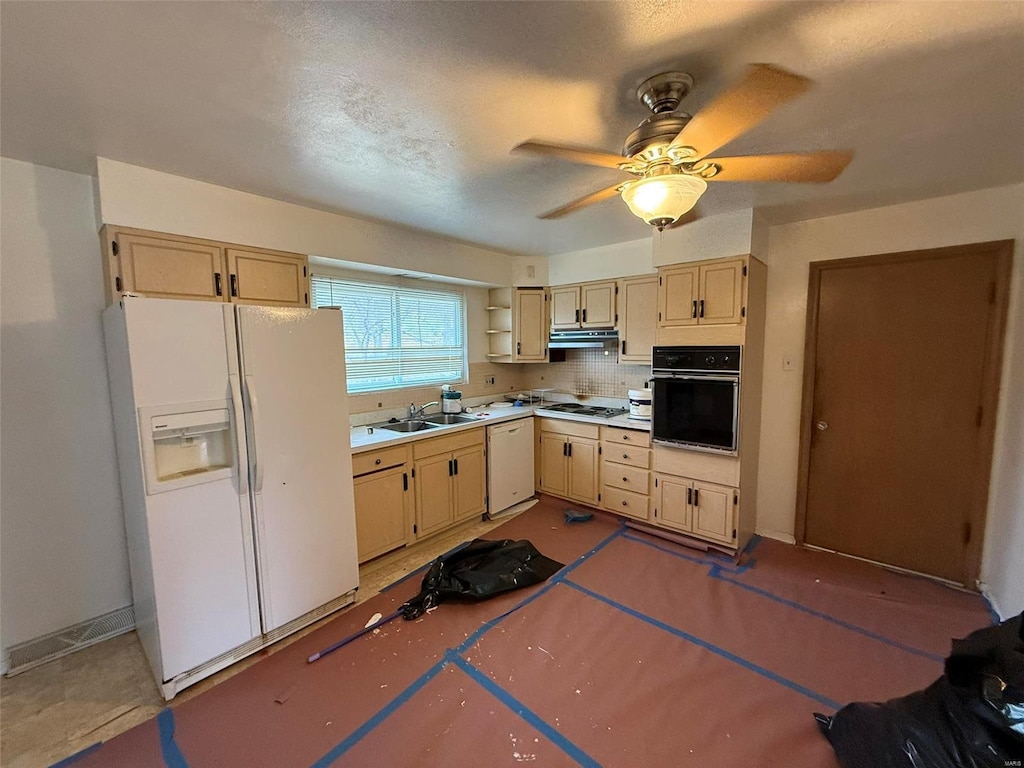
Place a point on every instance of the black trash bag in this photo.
(971, 717)
(480, 570)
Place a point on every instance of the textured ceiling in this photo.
(406, 111)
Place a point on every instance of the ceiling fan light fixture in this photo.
(662, 200)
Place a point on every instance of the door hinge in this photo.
(599, 497)
(115, 247)
(599, 450)
(734, 530)
(744, 270)
(616, 318)
(414, 473)
(616, 293)
(743, 311)
(305, 297)
(967, 532)
(735, 498)
(659, 316)
(117, 283)
(659, 281)
(978, 415)
(415, 529)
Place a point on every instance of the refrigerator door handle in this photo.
(243, 459)
(254, 406)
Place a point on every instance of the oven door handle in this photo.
(734, 378)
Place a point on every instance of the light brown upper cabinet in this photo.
(565, 308)
(518, 325)
(176, 267)
(706, 293)
(266, 277)
(638, 318)
(591, 305)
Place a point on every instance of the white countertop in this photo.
(362, 439)
(622, 421)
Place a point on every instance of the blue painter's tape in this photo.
(993, 614)
(709, 647)
(173, 758)
(531, 717)
(696, 559)
(78, 755)
(359, 733)
(717, 574)
(753, 544)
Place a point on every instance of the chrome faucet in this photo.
(414, 411)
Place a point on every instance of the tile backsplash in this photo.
(588, 372)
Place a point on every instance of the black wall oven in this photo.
(697, 398)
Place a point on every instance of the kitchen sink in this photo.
(449, 418)
(408, 426)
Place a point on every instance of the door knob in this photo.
(822, 426)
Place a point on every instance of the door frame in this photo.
(991, 376)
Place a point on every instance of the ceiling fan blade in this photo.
(572, 154)
(763, 89)
(575, 205)
(794, 166)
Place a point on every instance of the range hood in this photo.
(576, 339)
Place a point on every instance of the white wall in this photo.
(993, 214)
(727, 234)
(64, 557)
(139, 197)
(604, 262)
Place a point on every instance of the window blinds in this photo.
(396, 337)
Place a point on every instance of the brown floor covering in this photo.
(640, 652)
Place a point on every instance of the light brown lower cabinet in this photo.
(703, 509)
(383, 508)
(451, 481)
(569, 465)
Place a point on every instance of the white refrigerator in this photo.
(236, 474)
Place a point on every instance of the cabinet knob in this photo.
(625, 455)
(377, 461)
(625, 479)
(625, 504)
(625, 437)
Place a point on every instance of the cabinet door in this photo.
(433, 477)
(597, 302)
(565, 307)
(553, 462)
(583, 469)
(721, 293)
(677, 296)
(171, 269)
(713, 511)
(258, 277)
(531, 331)
(672, 502)
(470, 482)
(381, 502)
(638, 318)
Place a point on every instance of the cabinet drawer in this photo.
(724, 470)
(371, 461)
(447, 444)
(637, 437)
(625, 502)
(574, 428)
(627, 454)
(626, 477)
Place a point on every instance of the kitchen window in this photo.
(397, 337)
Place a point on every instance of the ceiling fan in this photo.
(668, 153)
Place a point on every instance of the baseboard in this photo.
(25, 656)
(777, 535)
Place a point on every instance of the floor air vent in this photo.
(43, 649)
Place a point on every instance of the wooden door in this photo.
(714, 508)
(583, 469)
(901, 384)
(433, 493)
(260, 277)
(677, 296)
(597, 302)
(638, 318)
(531, 341)
(565, 307)
(553, 470)
(673, 497)
(171, 269)
(721, 293)
(380, 501)
(470, 483)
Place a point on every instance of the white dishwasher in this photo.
(509, 464)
